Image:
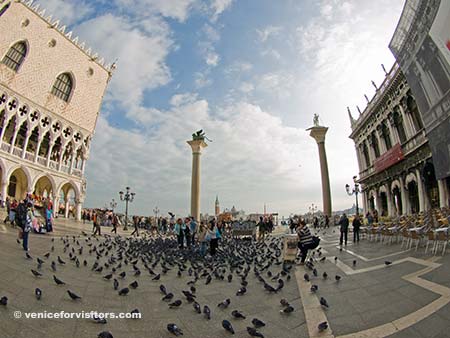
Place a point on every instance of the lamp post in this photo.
(354, 191)
(128, 197)
(313, 209)
(156, 212)
(113, 204)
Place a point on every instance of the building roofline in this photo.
(56, 24)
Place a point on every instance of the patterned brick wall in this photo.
(44, 63)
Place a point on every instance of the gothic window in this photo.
(398, 121)
(366, 155)
(386, 136)
(3, 9)
(15, 56)
(413, 110)
(375, 146)
(12, 186)
(63, 87)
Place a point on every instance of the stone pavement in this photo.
(410, 298)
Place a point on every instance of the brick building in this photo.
(51, 90)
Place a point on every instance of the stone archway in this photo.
(67, 197)
(18, 183)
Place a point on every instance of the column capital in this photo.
(318, 133)
(197, 145)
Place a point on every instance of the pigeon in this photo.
(306, 277)
(175, 304)
(135, 312)
(224, 304)
(284, 302)
(108, 277)
(116, 284)
(338, 278)
(227, 326)
(36, 273)
(47, 255)
(354, 262)
(168, 297)
(325, 275)
(60, 261)
(322, 326)
(17, 240)
(288, 309)
(28, 255)
(207, 312)
(38, 293)
(122, 274)
(197, 307)
(315, 272)
(387, 263)
(163, 289)
(175, 330)
(241, 291)
(237, 314)
(105, 334)
(335, 259)
(40, 261)
(258, 323)
(58, 281)
(157, 277)
(323, 302)
(323, 259)
(134, 285)
(230, 278)
(253, 332)
(73, 295)
(124, 292)
(314, 288)
(99, 320)
(4, 300)
(53, 265)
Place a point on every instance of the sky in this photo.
(251, 74)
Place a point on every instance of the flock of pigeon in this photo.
(236, 258)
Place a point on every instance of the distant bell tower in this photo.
(217, 210)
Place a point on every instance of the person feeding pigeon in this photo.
(305, 240)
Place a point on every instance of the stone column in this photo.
(66, 208)
(25, 144)
(420, 191)
(393, 130)
(4, 188)
(318, 133)
(79, 206)
(443, 198)
(409, 129)
(390, 203)
(55, 205)
(196, 146)
(13, 142)
(50, 148)
(404, 198)
(381, 142)
(364, 200)
(38, 148)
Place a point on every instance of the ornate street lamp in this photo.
(355, 191)
(113, 204)
(128, 197)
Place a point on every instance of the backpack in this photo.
(21, 215)
(315, 242)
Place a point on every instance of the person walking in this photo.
(115, 222)
(356, 227)
(343, 222)
(305, 240)
(96, 225)
(136, 226)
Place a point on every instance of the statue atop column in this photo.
(200, 135)
(316, 120)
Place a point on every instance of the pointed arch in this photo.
(63, 86)
(15, 56)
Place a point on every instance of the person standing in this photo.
(187, 231)
(94, 221)
(214, 241)
(193, 227)
(96, 224)
(27, 226)
(369, 218)
(305, 240)
(202, 230)
(8, 209)
(343, 222)
(179, 232)
(48, 218)
(327, 221)
(356, 227)
(261, 229)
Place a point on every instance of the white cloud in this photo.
(264, 34)
(246, 87)
(272, 53)
(218, 7)
(183, 99)
(68, 12)
(212, 59)
(201, 79)
(141, 48)
(176, 9)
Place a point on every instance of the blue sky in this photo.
(251, 73)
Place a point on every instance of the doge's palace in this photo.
(51, 90)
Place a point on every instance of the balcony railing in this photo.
(17, 151)
(414, 142)
(6, 147)
(53, 165)
(29, 156)
(367, 172)
(42, 160)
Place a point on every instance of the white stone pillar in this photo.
(25, 144)
(5, 124)
(66, 208)
(390, 203)
(443, 197)
(38, 148)
(403, 194)
(3, 189)
(364, 200)
(409, 129)
(16, 131)
(420, 191)
(55, 205)
(196, 146)
(71, 162)
(79, 207)
(49, 155)
(381, 142)
(393, 130)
